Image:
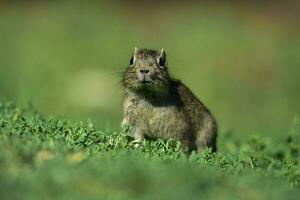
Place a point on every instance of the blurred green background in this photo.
(66, 58)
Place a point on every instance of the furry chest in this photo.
(158, 121)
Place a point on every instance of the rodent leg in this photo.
(138, 137)
(188, 144)
(185, 145)
(205, 140)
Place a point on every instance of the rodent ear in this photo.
(162, 52)
(135, 50)
(133, 58)
(162, 59)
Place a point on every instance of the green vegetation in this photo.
(65, 58)
(49, 158)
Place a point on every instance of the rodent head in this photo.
(147, 72)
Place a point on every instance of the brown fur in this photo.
(159, 106)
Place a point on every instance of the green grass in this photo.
(50, 158)
(66, 58)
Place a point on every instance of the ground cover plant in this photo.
(66, 58)
(47, 157)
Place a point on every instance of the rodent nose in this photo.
(144, 71)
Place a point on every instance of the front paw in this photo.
(136, 143)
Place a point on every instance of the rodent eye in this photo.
(131, 61)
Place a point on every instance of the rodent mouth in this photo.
(145, 82)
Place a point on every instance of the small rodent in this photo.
(158, 106)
